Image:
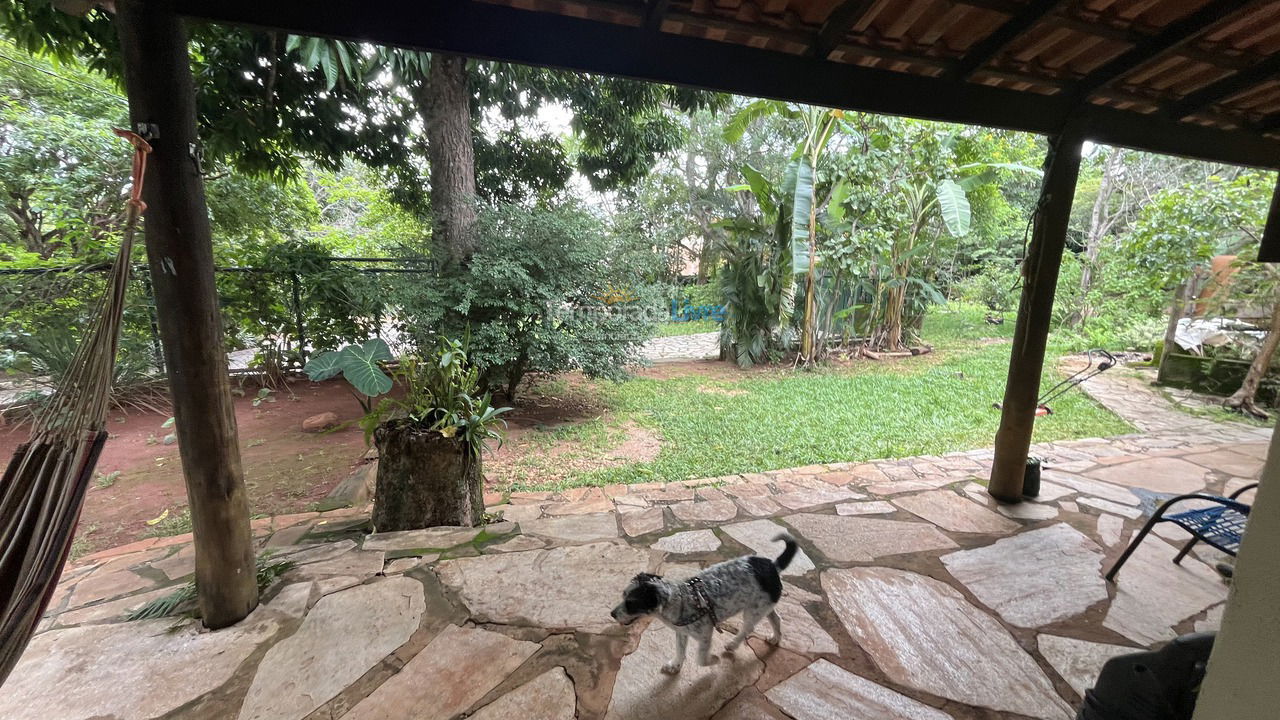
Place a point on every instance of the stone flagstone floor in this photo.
(916, 597)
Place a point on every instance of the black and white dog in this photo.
(749, 585)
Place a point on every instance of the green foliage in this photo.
(530, 300)
(1183, 227)
(338, 304)
(708, 293)
(758, 277)
(62, 170)
(940, 403)
(360, 365)
(168, 524)
(441, 394)
(995, 287)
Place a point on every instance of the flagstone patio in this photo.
(916, 596)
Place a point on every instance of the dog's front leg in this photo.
(705, 657)
(682, 643)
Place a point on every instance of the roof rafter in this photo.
(1171, 38)
(838, 24)
(1225, 88)
(990, 47)
(507, 34)
(654, 10)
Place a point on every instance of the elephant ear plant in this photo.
(360, 365)
(430, 438)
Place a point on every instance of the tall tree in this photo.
(267, 100)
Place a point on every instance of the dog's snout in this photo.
(614, 613)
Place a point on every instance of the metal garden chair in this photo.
(1220, 526)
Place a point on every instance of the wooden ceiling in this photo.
(1191, 77)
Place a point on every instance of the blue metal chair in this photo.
(1221, 526)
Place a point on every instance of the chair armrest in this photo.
(1239, 507)
(1243, 490)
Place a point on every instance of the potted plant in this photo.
(1031, 477)
(430, 439)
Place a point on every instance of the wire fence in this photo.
(273, 318)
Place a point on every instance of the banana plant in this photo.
(819, 126)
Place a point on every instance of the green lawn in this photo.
(668, 329)
(925, 405)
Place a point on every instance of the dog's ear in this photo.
(644, 599)
(645, 578)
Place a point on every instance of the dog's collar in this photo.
(702, 604)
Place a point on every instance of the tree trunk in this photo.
(808, 331)
(1100, 223)
(425, 479)
(444, 102)
(1245, 399)
(1171, 329)
(180, 254)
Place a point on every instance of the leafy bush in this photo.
(994, 286)
(708, 293)
(339, 304)
(549, 290)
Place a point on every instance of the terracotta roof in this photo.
(1148, 73)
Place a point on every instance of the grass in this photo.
(669, 329)
(170, 524)
(182, 601)
(925, 405)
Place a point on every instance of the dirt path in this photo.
(286, 470)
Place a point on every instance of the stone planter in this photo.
(425, 479)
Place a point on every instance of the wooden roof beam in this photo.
(654, 11)
(1225, 88)
(990, 47)
(495, 32)
(838, 24)
(1173, 37)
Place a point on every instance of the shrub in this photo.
(994, 287)
(550, 290)
(708, 293)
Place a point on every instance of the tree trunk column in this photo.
(180, 254)
(445, 105)
(1035, 310)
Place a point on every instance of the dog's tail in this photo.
(788, 553)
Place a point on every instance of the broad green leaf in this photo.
(955, 207)
(800, 206)
(360, 366)
(741, 120)
(330, 65)
(839, 195)
(975, 181)
(761, 188)
(323, 366)
(344, 56)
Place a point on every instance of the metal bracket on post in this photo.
(148, 131)
(196, 151)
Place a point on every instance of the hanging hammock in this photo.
(44, 485)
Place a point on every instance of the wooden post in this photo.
(1040, 279)
(1269, 250)
(180, 254)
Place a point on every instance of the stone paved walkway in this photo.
(699, 346)
(915, 596)
(1136, 400)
